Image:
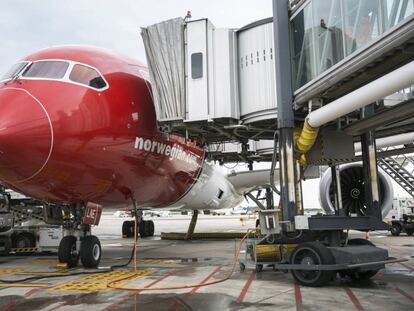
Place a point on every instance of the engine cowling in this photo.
(353, 190)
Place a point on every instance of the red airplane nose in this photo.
(26, 135)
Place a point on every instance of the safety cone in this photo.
(367, 236)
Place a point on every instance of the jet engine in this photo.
(353, 190)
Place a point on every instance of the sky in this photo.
(30, 25)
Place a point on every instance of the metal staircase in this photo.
(396, 168)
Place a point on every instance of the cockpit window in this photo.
(14, 71)
(49, 69)
(87, 76)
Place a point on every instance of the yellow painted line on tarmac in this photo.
(98, 281)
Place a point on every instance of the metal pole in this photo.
(369, 160)
(285, 118)
(299, 197)
(335, 189)
(269, 198)
(339, 191)
(192, 225)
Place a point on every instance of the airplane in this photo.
(78, 131)
(78, 126)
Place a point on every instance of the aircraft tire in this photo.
(90, 252)
(151, 227)
(131, 228)
(125, 229)
(142, 229)
(67, 251)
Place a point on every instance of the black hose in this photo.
(273, 166)
(40, 277)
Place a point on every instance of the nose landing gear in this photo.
(89, 253)
(78, 243)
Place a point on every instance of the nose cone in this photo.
(26, 135)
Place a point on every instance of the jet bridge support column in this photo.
(369, 160)
(285, 117)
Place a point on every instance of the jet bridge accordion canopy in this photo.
(164, 47)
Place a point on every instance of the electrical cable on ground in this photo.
(134, 257)
(112, 285)
(39, 277)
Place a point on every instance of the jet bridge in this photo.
(217, 85)
(324, 75)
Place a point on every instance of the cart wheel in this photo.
(242, 267)
(357, 275)
(312, 253)
(259, 268)
(360, 242)
(24, 240)
(5, 245)
(395, 229)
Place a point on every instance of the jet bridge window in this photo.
(14, 71)
(49, 69)
(197, 65)
(87, 76)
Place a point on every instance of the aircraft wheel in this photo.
(146, 228)
(142, 228)
(396, 229)
(90, 252)
(125, 230)
(5, 245)
(130, 229)
(151, 228)
(67, 251)
(312, 253)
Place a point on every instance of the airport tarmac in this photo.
(169, 263)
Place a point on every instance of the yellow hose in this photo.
(306, 138)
